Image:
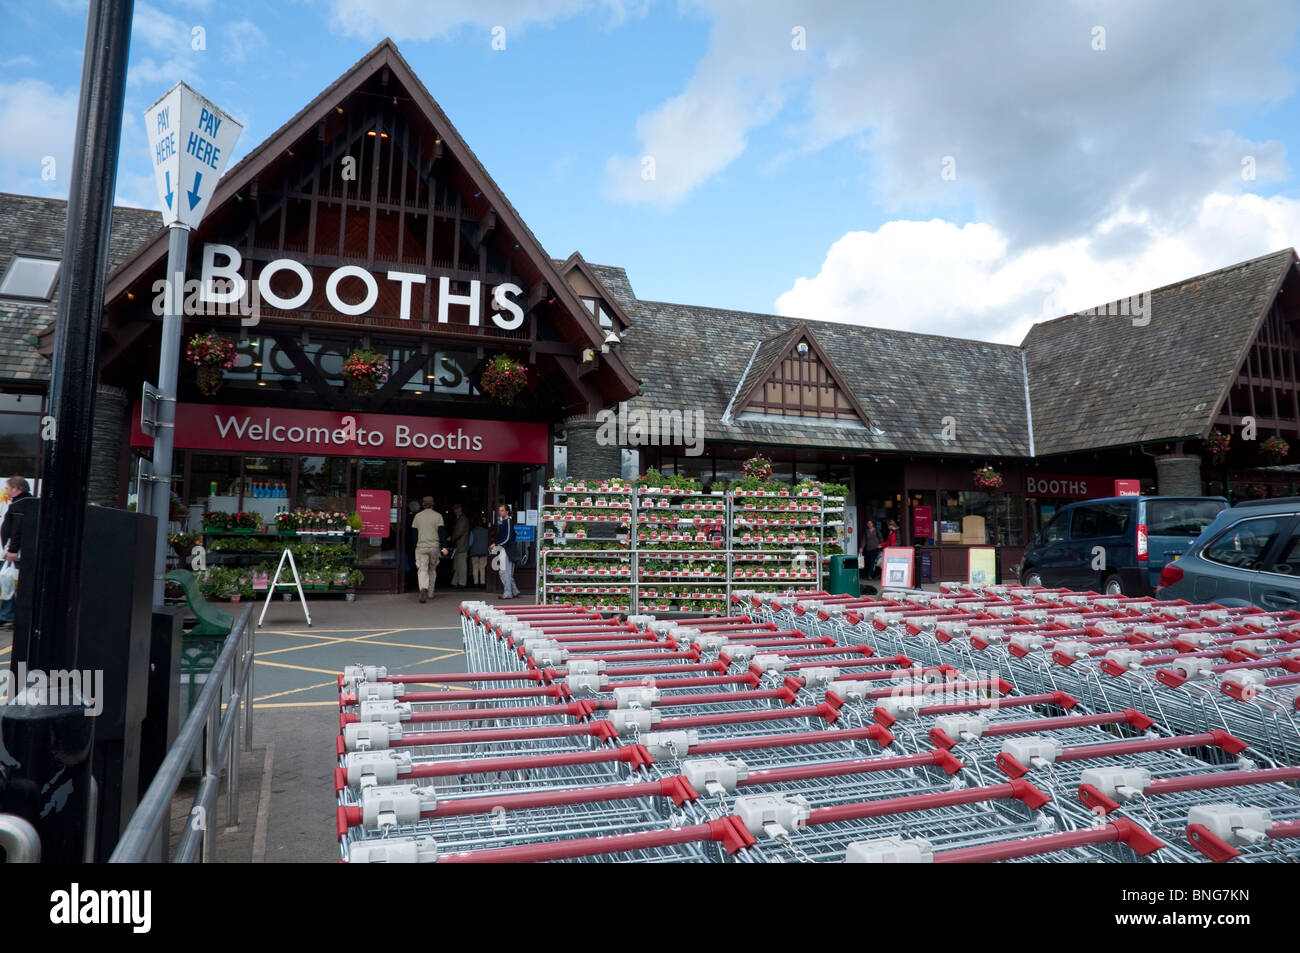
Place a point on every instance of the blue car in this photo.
(1116, 545)
(1250, 555)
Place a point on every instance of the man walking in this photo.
(870, 548)
(505, 539)
(460, 544)
(11, 535)
(478, 552)
(428, 523)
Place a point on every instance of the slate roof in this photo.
(764, 353)
(31, 225)
(692, 358)
(1102, 381)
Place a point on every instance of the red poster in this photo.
(344, 433)
(373, 507)
(1128, 488)
(922, 522)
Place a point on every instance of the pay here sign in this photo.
(189, 142)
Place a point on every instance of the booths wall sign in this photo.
(222, 289)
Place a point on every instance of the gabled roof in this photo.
(1102, 380)
(766, 364)
(32, 225)
(576, 262)
(385, 56)
(693, 358)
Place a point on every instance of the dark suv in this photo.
(1250, 555)
(1117, 545)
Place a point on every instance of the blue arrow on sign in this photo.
(168, 177)
(194, 192)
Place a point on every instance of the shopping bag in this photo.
(8, 580)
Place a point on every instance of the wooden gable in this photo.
(791, 376)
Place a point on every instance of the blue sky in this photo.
(809, 181)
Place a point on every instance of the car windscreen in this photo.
(1181, 517)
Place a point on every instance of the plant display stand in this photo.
(615, 547)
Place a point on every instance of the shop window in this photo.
(214, 481)
(20, 438)
(322, 484)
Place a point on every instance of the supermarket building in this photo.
(421, 257)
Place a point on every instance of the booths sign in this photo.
(1059, 486)
(318, 432)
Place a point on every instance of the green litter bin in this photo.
(842, 576)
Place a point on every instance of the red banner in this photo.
(373, 506)
(339, 433)
(922, 522)
(1128, 488)
(1074, 487)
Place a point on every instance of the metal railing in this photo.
(218, 731)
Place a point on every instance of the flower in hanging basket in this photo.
(988, 479)
(367, 368)
(1218, 443)
(1275, 448)
(212, 354)
(758, 466)
(503, 379)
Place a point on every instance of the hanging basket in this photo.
(209, 378)
(364, 386)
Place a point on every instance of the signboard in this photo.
(525, 533)
(1077, 487)
(896, 567)
(374, 507)
(320, 432)
(981, 566)
(922, 522)
(926, 567)
(190, 141)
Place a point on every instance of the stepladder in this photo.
(282, 578)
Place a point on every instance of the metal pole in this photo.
(178, 243)
(56, 572)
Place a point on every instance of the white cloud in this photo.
(1050, 137)
(36, 121)
(242, 39)
(415, 20)
(935, 277)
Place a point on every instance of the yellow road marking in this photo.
(301, 668)
(305, 688)
(333, 704)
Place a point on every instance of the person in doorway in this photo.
(870, 551)
(891, 536)
(506, 539)
(11, 534)
(460, 547)
(430, 542)
(478, 552)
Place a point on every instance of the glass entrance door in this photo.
(380, 557)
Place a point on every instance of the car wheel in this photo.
(1031, 578)
(1113, 586)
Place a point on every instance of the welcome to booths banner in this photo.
(343, 433)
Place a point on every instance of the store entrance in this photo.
(448, 484)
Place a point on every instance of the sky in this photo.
(957, 167)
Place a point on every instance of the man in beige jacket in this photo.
(429, 543)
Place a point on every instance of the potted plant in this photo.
(367, 368)
(759, 467)
(244, 522)
(354, 523)
(503, 379)
(216, 521)
(286, 524)
(183, 543)
(1218, 443)
(212, 354)
(986, 478)
(1274, 449)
